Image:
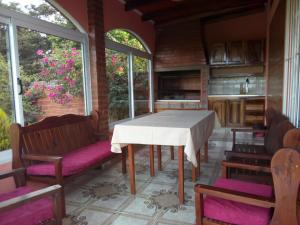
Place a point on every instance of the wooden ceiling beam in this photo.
(131, 5)
(192, 7)
(214, 15)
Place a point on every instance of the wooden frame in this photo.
(54, 191)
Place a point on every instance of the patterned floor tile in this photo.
(102, 196)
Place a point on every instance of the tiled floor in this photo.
(102, 196)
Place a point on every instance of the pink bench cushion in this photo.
(75, 161)
(30, 213)
(234, 212)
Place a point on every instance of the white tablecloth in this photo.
(189, 128)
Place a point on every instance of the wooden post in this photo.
(181, 174)
(159, 167)
(151, 148)
(172, 152)
(206, 151)
(131, 168)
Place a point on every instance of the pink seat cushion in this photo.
(235, 212)
(30, 213)
(75, 161)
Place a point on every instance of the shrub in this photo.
(4, 130)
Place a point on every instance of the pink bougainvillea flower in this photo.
(45, 72)
(39, 52)
(72, 82)
(73, 49)
(45, 60)
(52, 95)
(114, 60)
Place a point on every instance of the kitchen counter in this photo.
(236, 96)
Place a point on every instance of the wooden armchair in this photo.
(25, 206)
(257, 166)
(237, 202)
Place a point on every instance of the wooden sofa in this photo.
(23, 205)
(58, 148)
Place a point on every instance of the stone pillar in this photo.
(97, 63)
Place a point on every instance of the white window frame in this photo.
(15, 19)
(131, 52)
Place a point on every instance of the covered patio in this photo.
(170, 112)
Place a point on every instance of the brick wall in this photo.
(50, 108)
(97, 63)
(179, 45)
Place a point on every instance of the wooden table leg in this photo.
(159, 157)
(151, 147)
(198, 161)
(196, 170)
(131, 168)
(172, 152)
(181, 174)
(194, 173)
(206, 151)
(124, 160)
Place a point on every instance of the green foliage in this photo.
(4, 130)
(125, 38)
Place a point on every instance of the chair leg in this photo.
(172, 152)
(124, 161)
(199, 208)
(58, 207)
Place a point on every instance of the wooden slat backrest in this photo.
(53, 136)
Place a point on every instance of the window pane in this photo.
(117, 74)
(51, 73)
(141, 85)
(125, 38)
(7, 114)
(38, 9)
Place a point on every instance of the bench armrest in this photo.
(54, 191)
(227, 164)
(249, 199)
(11, 173)
(247, 155)
(57, 160)
(18, 174)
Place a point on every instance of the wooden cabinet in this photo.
(254, 111)
(219, 106)
(218, 54)
(254, 52)
(235, 52)
(238, 112)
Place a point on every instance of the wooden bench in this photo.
(58, 148)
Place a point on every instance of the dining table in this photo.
(189, 130)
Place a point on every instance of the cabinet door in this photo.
(254, 52)
(219, 106)
(218, 54)
(235, 52)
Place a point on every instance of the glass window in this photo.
(51, 74)
(38, 9)
(7, 114)
(117, 74)
(128, 76)
(125, 38)
(141, 85)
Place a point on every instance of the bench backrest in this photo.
(56, 135)
(278, 125)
